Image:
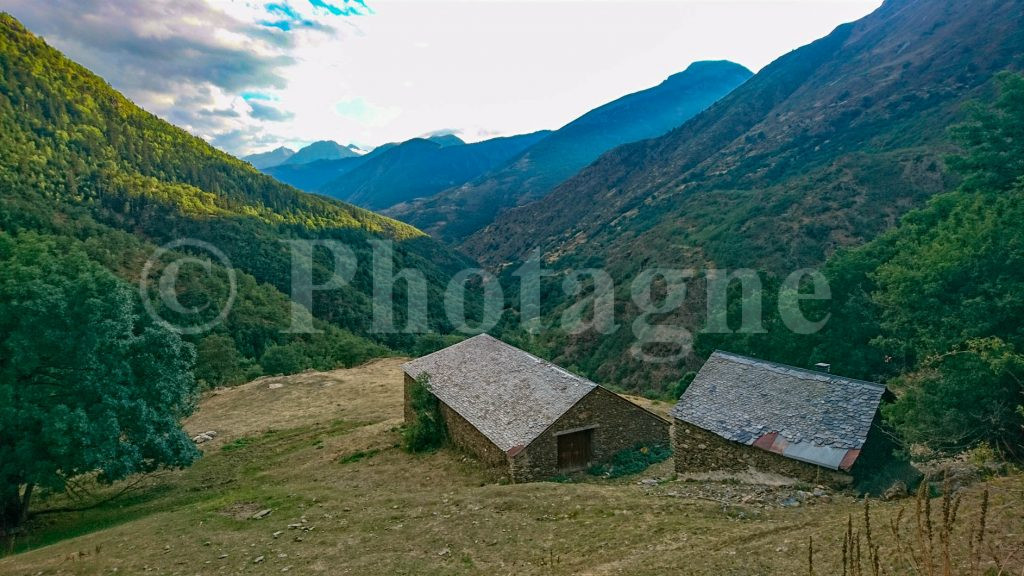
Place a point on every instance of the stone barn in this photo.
(742, 413)
(520, 413)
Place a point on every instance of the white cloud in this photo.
(483, 68)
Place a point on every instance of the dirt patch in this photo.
(658, 407)
(755, 477)
(242, 510)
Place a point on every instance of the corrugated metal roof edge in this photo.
(851, 454)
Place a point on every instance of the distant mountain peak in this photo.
(323, 150)
(422, 167)
(456, 213)
(825, 148)
(712, 67)
(274, 157)
(446, 139)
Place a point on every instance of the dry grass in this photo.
(953, 540)
(369, 393)
(386, 512)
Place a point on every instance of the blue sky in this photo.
(251, 75)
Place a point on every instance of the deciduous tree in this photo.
(87, 384)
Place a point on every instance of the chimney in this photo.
(823, 367)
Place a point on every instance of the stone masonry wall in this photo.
(465, 436)
(617, 425)
(697, 450)
(462, 434)
(407, 400)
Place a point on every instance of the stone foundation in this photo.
(466, 437)
(697, 450)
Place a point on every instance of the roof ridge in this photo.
(485, 380)
(795, 371)
(548, 363)
(458, 344)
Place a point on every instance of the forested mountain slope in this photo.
(456, 213)
(80, 161)
(935, 305)
(824, 148)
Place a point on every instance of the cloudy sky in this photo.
(251, 75)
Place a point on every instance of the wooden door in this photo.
(574, 450)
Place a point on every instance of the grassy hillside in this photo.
(80, 161)
(824, 148)
(458, 212)
(318, 450)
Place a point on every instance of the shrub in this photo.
(962, 398)
(218, 362)
(631, 461)
(426, 432)
(679, 388)
(287, 359)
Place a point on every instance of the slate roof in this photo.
(809, 416)
(509, 395)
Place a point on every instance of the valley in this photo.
(208, 317)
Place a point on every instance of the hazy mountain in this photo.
(456, 213)
(311, 176)
(422, 167)
(323, 150)
(824, 148)
(421, 177)
(271, 158)
(445, 139)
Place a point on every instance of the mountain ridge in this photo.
(80, 162)
(322, 150)
(422, 167)
(825, 148)
(270, 158)
(454, 214)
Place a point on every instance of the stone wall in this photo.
(697, 450)
(407, 400)
(461, 433)
(617, 425)
(465, 436)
